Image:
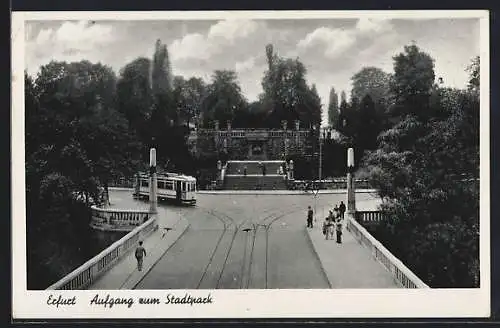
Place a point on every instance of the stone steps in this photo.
(253, 182)
(253, 167)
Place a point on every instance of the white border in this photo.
(340, 303)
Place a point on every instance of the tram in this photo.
(171, 186)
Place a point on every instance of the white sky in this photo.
(333, 50)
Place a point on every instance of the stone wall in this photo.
(236, 143)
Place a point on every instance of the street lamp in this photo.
(351, 193)
(153, 187)
(320, 156)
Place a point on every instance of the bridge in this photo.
(241, 240)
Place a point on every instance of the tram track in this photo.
(266, 224)
(231, 261)
(227, 221)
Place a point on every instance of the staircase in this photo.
(235, 178)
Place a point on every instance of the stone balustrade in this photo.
(244, 133)
(400, 272)
(87, 273)
(110, 219)
(122, 183)
(339, 183)
(369, 217)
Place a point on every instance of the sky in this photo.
(333, 50)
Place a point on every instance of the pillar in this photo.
(216, 125)
(297, 125)
(153, 182)
(284, 124)
(351, 190)
(137, 186)
(219, 170)
(290, 168)
(228, 124)
(105, 195)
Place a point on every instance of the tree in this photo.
(134, 94)
(412, 83)
(422, 170)
(76, 141)
(342, 120)
(189, 95)
(286, 93)
(194, 91)
(161, 72)
(474, 74)
(223, 98)
(333, 108)
(368, 126)
(343, 97)
(371, 81)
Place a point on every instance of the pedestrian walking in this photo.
(339, 231)
(326, 226)
(331, 227)
(310, 215)
(342, 209)
(245, 170)
(336, 212)
(140, 253)
(263, 169)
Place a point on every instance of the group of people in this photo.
(333, 222)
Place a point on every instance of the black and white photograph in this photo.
(188, 160)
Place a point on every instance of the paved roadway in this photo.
(241, 241)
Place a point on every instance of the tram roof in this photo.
(171, 176)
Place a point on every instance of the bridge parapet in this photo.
(400, 272)
(369, 218)
(87, 273)
(110, 219)
(337, 183)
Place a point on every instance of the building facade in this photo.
(252, 144)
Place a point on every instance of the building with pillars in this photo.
(252, 144)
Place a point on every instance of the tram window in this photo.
(161, 185)
(168, 185)
(145, 183)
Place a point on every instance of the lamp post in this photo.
(351, 195)
(320, 169)
(153, 187)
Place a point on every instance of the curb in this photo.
(120, 188)
(278, 192)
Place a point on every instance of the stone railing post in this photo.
(351, 190)
(216, 125)
(290, 170)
